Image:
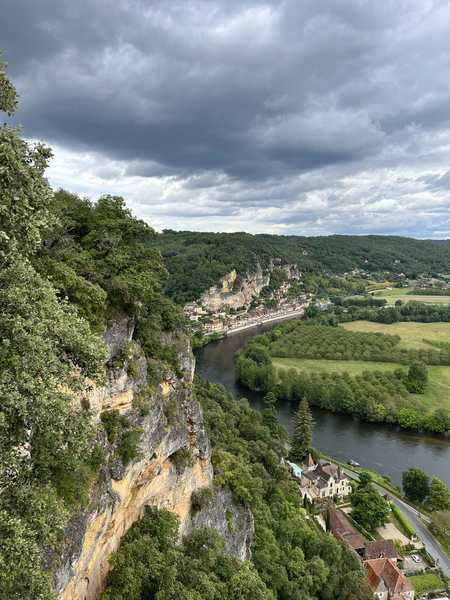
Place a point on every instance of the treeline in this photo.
(330, 343)
(414, 310)
(196, 261)
(429, 292)
(378, 396)
(361, 302)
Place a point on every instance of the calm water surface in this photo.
(387, 449)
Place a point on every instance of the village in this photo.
(275, 304)
(325, 489)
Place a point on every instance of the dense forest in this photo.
(196, 261)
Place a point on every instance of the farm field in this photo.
(391, 296)
(436, 396)
(411, 333)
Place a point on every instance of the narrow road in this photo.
(425, 536)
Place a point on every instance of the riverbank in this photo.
(260, 322)
(221, 333)
(382, 447)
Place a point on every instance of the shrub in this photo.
(201, 498)
(182, 458)
(403, 521)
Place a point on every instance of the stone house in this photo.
(323, 481)
(387, 581)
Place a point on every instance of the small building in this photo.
(397, 261)
(387, 581)
(380, 549)
(389, 499)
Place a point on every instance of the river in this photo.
(385, 448)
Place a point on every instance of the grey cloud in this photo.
(246, 104)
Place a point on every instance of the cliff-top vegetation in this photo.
(196, 261)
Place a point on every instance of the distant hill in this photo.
(438, 241)
(196, 261)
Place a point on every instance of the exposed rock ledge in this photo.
(221, 297)
(124, 492)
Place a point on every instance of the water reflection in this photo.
(388, 449)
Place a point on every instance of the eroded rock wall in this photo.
(156, 479)
(222, 297)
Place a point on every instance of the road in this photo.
(425, 536)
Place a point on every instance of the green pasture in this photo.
(425, 583)
(391, 296)
(436, 396)
(412, 333)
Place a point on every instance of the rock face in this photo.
(174, 421)
(234, 522)
(221, 297)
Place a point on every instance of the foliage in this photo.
(182, 458)
(439, 495)
(303, 426)
(201, 498)
(337, 343)
(270, 416)
(369, 508)
(150, 564)
(415, 484)
(425, 583)
(196, 261)
(365, 477)
(409, 530)
(293, 560)
(48, 358)
(117, 426)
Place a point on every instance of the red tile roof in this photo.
(383, 569)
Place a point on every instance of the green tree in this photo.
(439, 495)
(303, 431)
(46, 357)
(365, 477)
(369, 508)
(415, 484)
(270, 416)
(418, 371)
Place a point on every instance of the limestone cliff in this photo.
(222, 296)
(172, 421)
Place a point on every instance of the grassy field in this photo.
(437, 395)
(391, 296)
(425, 583)
(412, 334)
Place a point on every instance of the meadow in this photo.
(436, 396)
(391, 296)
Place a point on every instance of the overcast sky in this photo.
(302, 117)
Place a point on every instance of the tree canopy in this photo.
(416, 484)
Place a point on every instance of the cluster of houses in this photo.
(221, 321)
(379, 558)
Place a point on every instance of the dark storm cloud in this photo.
(291, 106)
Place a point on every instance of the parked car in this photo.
(415, 558)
